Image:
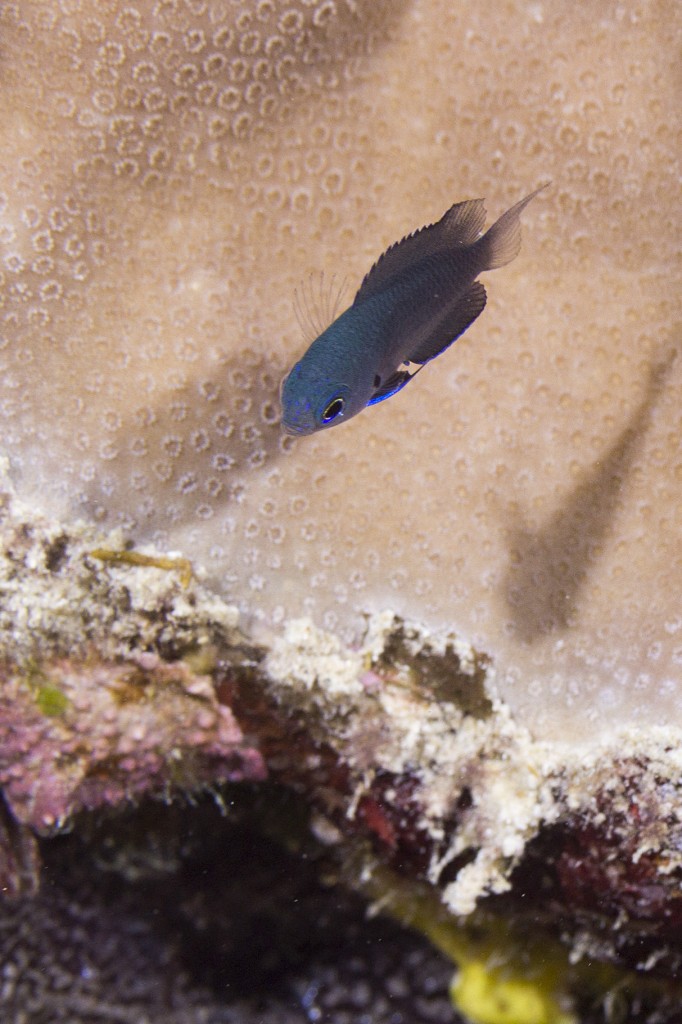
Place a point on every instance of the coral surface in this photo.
(173, 170)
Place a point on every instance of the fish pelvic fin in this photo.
(392, 385)
(502, 242)
(461, 225)
(451, 326)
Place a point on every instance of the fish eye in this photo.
(334, 409)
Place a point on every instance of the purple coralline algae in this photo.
(81, 736)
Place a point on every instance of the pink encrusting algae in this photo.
(82, 736)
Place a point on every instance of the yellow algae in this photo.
(500, 977)
(183, 566)
(503, 973)
(486, 996)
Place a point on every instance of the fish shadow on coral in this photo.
(202, 447)
(189, 456)
(549, 566)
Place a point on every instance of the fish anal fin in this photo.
(392, 385)
(461, 225)
(452, 325)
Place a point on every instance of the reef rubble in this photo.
(443, 809)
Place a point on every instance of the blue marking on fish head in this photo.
(311, 402)
(334, 380)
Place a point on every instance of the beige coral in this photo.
(171, 170)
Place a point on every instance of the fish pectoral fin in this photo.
(452, 325)
(392, 385)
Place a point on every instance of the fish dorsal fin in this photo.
(464, 222)
(316, 304)
(461, 225)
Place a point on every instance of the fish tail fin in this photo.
(501, 243)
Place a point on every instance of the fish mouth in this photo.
(295, 430)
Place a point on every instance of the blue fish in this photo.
(417, 299)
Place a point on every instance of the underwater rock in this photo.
(19, 858)
(400, 750)
(81, 735)
(96, 709)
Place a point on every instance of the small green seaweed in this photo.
(51, 701)
(506, 974)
